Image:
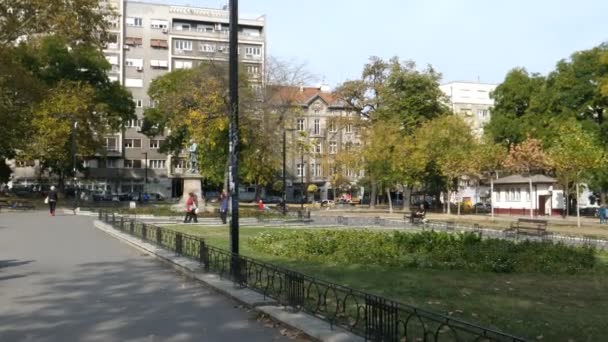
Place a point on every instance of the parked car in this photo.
(272, 199)
(146, 196)
(482, 207)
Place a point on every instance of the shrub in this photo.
(427, 249)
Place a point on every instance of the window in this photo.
(157, 163)
(113, 60)
(132, 143)
(301, 125)
(132, 164)
(350, 173)
(159, 43)
(315, 169)
(153, 103)
(183, 64)
(159, 24)
(301, 170)
(333, 127)
(134, 41)
(181, 27)
(204, 28)
(134, 123)
(333, 147)
(134, 82)
(206, 48)
(135, 21)
(512, 195)
(318, 148)
(223, 49)
(181, 44)
(158, 63)
(181, 164)
(518, 194)
(253, 69)
(134, 62)
(111, 144)
(155, 143)
(527, 195)
(482, 113)
(111, 163)
(349, 128)
(317, 126)
(139, 103)
(348, 146)
(253, 51)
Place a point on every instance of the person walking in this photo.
(602, 214)
(52, 200)
(223, 206)
(191, 207)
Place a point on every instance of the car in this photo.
(482, 207)
(272, 199)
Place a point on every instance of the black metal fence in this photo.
(367, 315)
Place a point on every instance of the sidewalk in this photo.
(61, 279)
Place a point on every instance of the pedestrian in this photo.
(602, 214)
(51, 198)
(223, 206)
(191, 207)
(261, 205)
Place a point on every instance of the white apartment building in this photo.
(147, 41)
(472, 101)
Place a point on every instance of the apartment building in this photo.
(472, 101)
(321, 124)
(147, 41)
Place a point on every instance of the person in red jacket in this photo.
(191, 206)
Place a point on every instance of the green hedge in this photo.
(438, 250)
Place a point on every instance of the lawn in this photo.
(537, 306)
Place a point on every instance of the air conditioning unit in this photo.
(140, 68)
(165, 30)
(127, 47)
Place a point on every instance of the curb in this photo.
(311, 326)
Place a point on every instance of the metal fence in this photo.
(372, 317)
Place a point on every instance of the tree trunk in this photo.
(492, 196)
(390, 201)
(602, 198)
(578, 208)
(531, 199)
(373, 194)
(448, 201)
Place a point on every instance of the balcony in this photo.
(220, 35)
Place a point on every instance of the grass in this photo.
(536, 306)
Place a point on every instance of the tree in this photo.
(527, 157)
(448, 144)
(573, 156)
(392, 91)
(512, 100)
(80, 21)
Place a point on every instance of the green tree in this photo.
(448, 144)
(77, 20)
(573, 156)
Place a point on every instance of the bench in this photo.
(529, 227)
(413, 218)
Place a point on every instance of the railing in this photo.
(373, 317)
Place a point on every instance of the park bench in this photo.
(529, 227)
(413, 218)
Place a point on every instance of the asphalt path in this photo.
(63, 280)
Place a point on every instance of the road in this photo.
(63, 280)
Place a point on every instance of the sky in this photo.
(465, 40)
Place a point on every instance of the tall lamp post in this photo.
(302, 177)
(285, 167)
(234, 138)
(74, 162)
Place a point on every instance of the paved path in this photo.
(63, 280)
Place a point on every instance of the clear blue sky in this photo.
(463, 39)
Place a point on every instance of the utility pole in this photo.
(284, 170)
(302, 177)
(234, 133)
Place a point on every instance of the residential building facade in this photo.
(470, 100)
(326, 127)
(147, 41)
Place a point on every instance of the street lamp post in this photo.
(74, 162)
(234, 138)
(302, 177)
(285, 167)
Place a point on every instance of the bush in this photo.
(426, 249)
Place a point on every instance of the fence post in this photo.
(381, 319)
(132, 227)
(122, 223)
(100, 214)
(144, 231)
(159, 236)
(294, 290)
(178, 243)
(203, 255)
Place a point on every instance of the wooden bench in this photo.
(529, 227)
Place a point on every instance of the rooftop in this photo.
(521, 179)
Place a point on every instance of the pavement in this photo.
(61, 279)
